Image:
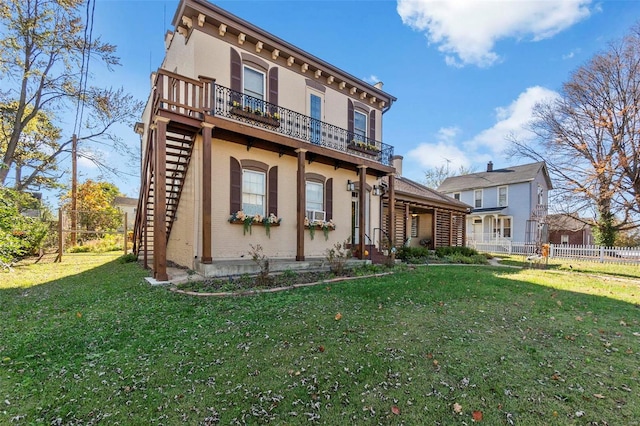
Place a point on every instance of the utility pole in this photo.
(74, 188)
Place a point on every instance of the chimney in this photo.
(396, 162)
(490, 166)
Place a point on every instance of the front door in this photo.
(355, 217)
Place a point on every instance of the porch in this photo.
(184, 110)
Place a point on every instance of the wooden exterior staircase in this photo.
(179, 146)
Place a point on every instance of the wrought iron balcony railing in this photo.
(259, 113)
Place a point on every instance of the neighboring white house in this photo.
(508, 204)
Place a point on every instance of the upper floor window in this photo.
(254, 88)
(359, 126)
(477, 196)
(502, 196)
(253, 192)
(456, 196)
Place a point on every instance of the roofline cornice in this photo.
(208, 12)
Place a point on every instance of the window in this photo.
(456, 196)
(253, 88)
(506, 227)
(502, 227)
(502, 196)
(540, 195)
(315, 111)
(253, 192)
(477, 196)
(414, 226)
(315, 201)
(564, 239)
(359, 126)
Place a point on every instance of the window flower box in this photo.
(247, 221)
(325, 226)
(256, 115)
(363, 147)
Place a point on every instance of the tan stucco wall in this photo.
(207, 55)
(228, 241)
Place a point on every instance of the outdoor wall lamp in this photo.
(378, 190)
(351, 186)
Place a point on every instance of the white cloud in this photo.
(510, 121)
(487, 145)
(440, 152)
(372, 79)
(466, 31)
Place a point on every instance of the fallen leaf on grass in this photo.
(457, 408)
(79, 314)
(395, 410)
(598, 395)
(338, 316)
(321, 348)
(476, 416)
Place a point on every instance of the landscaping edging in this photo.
(272, 290)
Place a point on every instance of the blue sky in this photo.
(466, 73)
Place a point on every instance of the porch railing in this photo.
(194, 98)
(259, 113)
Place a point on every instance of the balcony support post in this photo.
(301, 199)
(160, 202)
(391, 225)
(361, 211)
(207, 129)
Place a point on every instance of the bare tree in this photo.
(434, 176)
(45, 51)
(590, 138)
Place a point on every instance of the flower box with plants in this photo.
(247, 221)
(255, 114)
(364, 147)
(314, 225)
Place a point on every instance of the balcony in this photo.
(195, 98)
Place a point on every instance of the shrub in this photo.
(451, 250)
(20, 236)
(413, 254)
(338, 256)
(110, 242)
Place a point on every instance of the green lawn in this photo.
(90, 341)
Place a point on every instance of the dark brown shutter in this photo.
(235, 199)
(236, 74)
(273, 86)
(328, 202)
(272, 202)
(372, 125)
(350, 119)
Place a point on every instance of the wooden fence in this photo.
(626, 255)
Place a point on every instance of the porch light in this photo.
(351, 186)
(378, 190)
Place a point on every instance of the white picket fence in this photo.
(626, 255)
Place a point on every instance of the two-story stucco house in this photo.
(508, 204)
(249, 140)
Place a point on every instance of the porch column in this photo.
(434, 228)
(301, 204)
(207, 129)
(463, 219)
(160, 202)
(362, 170)
(450, 228)
(407, 223)
(391, 226)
